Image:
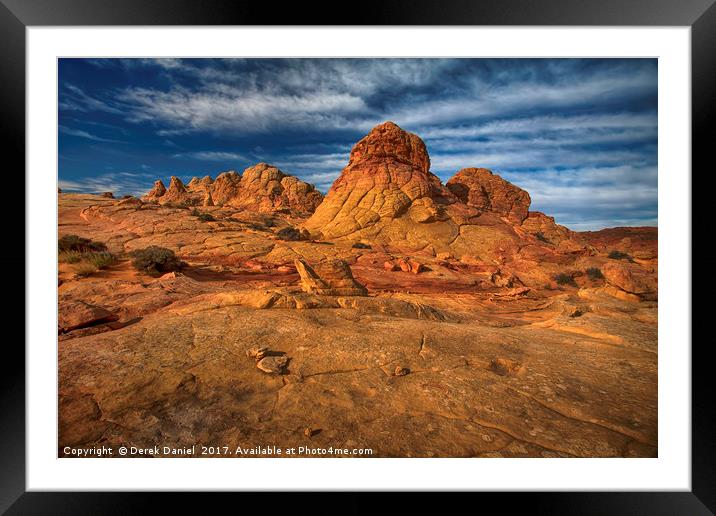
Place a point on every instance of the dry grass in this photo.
(101, 260)
(69, 257)
(84, 269)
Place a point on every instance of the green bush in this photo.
(565, 279)
(155, 260)
(80, 244)
(618, 255)
(101, 260)
(288, 233)
(594, 273)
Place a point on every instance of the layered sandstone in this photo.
(225, 187)
(485, 191)
(332, 278)
(176, 193)
(265, 188)
(156, 192)
(387, 177)
(262, 188)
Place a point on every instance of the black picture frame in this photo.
(17, 15)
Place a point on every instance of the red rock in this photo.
(78, 314)
(404, 265)
(156, 192)
(265, 188)
(129, 201)
(545, 229)
(332, 278)
(390, 266)
(485, 191)
(387, 175)
(176, 193)
(225, 187)
(416, 267)
(630, 278)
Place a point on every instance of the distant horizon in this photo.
(580, 135)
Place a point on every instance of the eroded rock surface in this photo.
(485, 191)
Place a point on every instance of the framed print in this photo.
(447, 251)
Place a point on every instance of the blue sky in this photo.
(580, 135)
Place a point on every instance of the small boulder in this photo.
(391, 266)
(292, 234)
(400, 371)
(404, 265)
(130, 201)
(257, 352)
(273, 364)
(416, 267)
(330, 278)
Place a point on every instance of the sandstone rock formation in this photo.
(208, 200)
(225, 187)
(332, 278)
(481, 189)
(157, 191)
(176, 193)
(545, 229)
(265, 188)
(199, 185)
(388, 195)
(388, 174)
(631, 279)
(262, 189)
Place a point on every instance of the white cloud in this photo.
(120, 183)
(251, 112)
(211, 156)
(85, 134)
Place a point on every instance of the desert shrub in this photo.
(101, 260)
(594, 273)
(84, 269)
(288, 233)
(540, 236)
(155, 259)
(618, 255)
(195, 213)
(80, 244)
(361, 245)
(69, 257)
(565, 279)
(206, 217)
